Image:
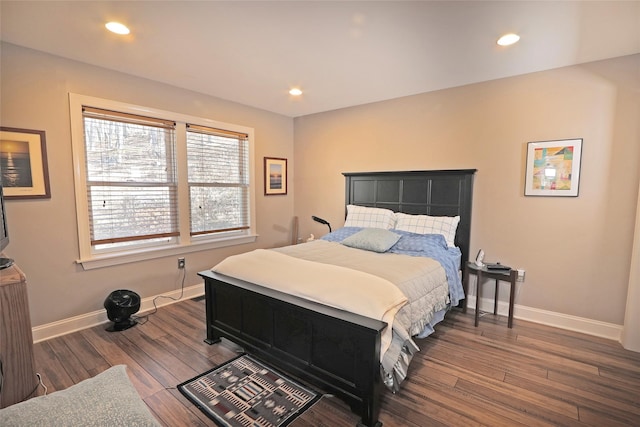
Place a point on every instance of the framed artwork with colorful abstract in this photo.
(553, 168)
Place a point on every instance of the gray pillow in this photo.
(108, 399)
(372, 239)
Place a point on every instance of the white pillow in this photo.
(362, 216)
(424, 224)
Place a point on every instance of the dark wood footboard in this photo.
(337, 351)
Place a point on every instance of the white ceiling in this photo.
(340, 53)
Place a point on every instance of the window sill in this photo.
(109, 260)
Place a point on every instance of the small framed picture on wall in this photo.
(275, 176)
(23, 163)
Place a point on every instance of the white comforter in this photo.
(422, 280)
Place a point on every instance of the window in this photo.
(218, 165)
(152, 183)
(130, 178)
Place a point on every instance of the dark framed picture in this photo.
(275, 176)
(553, 168)
(23, 162)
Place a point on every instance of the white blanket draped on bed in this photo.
(403, 291)
(335, 286)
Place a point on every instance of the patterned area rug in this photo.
(245, 392)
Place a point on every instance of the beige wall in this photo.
(576, 251)
(44, 243)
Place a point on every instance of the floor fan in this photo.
(120, 305)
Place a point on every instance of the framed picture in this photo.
(275, 176)
(553, 168)
(23, 162)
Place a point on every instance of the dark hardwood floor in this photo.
(531, 375)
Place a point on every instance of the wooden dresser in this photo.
(16, 340)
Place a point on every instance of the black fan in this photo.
(120, 305)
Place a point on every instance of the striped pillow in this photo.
(424, 224)
(362, 216)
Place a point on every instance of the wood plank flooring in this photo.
(531, 375)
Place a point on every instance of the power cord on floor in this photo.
(40, 384)
(141, 320)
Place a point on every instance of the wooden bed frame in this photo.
(337, 351)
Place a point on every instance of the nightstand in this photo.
(483, 273)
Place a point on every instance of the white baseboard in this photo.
(88, 320)
(558, 320)
(550, 318)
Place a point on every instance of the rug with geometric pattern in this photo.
(246, 392)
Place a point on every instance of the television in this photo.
(4, 233)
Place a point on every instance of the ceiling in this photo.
(340, 53)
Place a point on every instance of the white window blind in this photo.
(218, 176)
(142, 194)
(130, 177)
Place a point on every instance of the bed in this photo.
(340, 351)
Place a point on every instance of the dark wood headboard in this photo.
(435, 193)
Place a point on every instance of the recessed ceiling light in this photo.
(118, 28)
(295, 92)
(508, 39)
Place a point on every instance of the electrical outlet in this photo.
(181, 263)
(520, 275)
